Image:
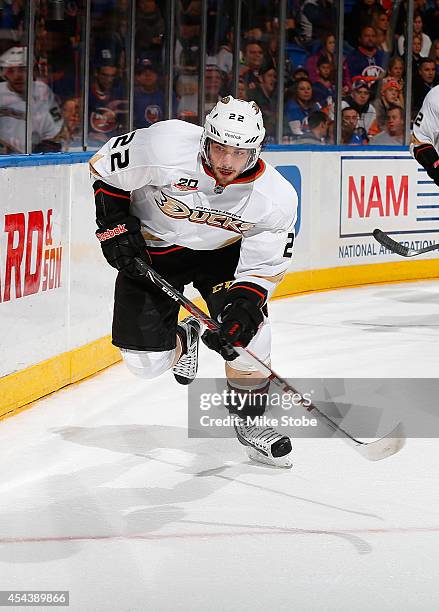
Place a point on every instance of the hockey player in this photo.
(199, 206)
(424, 144)
(47, 120)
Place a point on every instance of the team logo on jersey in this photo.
(186, 184)
(103, 120)
(153, 113)
(373, 71)
(175, 209)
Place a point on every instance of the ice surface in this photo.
(103, 494)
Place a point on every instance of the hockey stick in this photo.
(398, 248)
(374, 451)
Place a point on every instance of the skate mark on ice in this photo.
(360, 545)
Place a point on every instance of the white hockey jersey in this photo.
(426, 123)
(173, 194)
(46, 116)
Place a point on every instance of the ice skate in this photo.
(186, 367)
(264, 444)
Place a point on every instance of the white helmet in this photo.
(236, 123)
(13, 57)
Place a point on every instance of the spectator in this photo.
(418, 26)
(149, 98)
(187, 45)
(393, 134)
(431, 20)
(317, 18)
(47, 120)
(434, 54)
(190, 7)
(213, 82)
(416, 52)
(366, 60)
(253, 57)
(300, 72)
(328, 50)
(108, 44)
(300, 104)
(106, 105)
(224, 57)
(396, 72)
(265, 97)
(360, 16)
(150, 29)
(380, 22)
(72, 130)
(254, 33)
(318, 124)
(389, 96)
(360, 101)
(424, 80)
(242, 90)
(323, 88)
(272, 49)
(350, 133)
(186, 88)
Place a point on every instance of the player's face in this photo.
(227, 162)
(16, 78)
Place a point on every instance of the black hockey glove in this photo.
(121, 242)
(239, 319)
(119, 232)
(427, 156)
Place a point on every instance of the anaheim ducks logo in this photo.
(177, 210)
(172, 207)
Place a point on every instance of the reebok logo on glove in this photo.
(111, 233)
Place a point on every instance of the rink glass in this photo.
(128, 64)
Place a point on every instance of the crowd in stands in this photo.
(372, 80)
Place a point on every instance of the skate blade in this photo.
(278, 462)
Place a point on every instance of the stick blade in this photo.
(384, 447)
(391, 244)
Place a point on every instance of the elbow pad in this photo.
(112, 203)
(426, 155)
